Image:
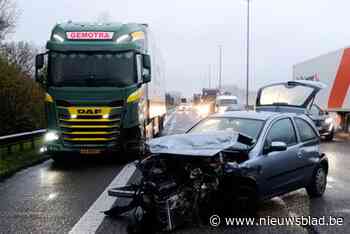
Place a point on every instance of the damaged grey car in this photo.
(224, 165)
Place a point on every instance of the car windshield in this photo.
(294, 95)
(92, 69)
(227, 102)
(249, 127)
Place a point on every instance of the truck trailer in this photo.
(104, 89)
(332, 69)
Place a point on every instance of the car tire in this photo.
(318, 183)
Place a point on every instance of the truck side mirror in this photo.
(39, 61)
(146, 64)
(39, 64)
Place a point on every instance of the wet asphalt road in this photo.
(51, 199)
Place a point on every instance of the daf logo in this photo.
(89, 111)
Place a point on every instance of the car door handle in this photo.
(300, 154)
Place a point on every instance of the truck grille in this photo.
(90, 125)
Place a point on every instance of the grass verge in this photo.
(10, 164)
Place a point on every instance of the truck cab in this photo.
(102, 93)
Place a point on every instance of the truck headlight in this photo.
(51, 136)
(329, 120)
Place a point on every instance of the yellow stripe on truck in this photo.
(89, 139)
(89, 110)
(48, 98)
(135, 96)
(89, 120)
(89, 133)
(89, 126)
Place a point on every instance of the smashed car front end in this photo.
(184, 176)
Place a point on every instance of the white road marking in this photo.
(93, 218)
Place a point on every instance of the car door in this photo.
(278, 169)
(309, 148)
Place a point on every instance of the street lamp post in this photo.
(248, 51)
(220, 67)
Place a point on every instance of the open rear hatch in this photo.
(292, 96)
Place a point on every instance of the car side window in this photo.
(283, 131)
(306, 132)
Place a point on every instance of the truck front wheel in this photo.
(60, 159)
(134, 142)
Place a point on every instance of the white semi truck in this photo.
(332, 69)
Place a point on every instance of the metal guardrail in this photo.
(20, 139)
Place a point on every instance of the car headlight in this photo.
(51, 136)
(134, 36)
(329, 120)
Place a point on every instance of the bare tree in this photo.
(8, 17)
(21, 54)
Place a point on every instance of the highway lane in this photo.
(47, 198)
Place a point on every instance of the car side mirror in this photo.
(277, 146)
(146, 64)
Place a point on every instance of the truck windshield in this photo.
(92, 69)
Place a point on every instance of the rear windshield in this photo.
(295, 95)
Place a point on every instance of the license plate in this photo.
(90, 151)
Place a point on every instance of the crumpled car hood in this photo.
(195, 144)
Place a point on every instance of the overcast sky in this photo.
(189, 31)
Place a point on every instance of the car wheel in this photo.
(318, 183)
